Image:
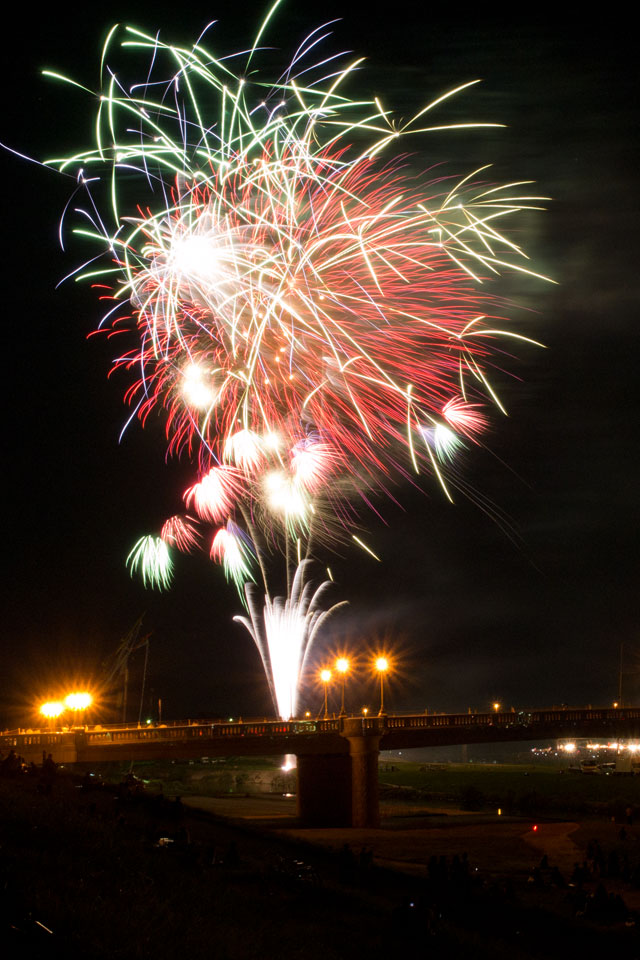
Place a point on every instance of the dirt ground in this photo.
(497, 846)
(410, 835)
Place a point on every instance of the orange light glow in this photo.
(78, 701)
(52, 709)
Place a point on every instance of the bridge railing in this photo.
(200, 730)
(13, 741)
(211, 730)
(520, 718)
(206, 731)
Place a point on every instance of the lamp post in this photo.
(342, 666)
(382, 665)
(325, 676)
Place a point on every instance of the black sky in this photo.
(532, 610)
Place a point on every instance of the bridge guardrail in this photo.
(517, 718)
(13, 741)
(210, 730)
(206, 730)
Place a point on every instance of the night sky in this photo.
(527, 602)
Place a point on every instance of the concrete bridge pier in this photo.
(341, 789)
(364, 750)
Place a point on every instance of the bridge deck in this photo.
(308, 737)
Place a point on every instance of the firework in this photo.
(275, 498)
(233, 549)
(307, 315)
(214, 494)
(284, 630)
(277, 278)
(180, 532)
(152, 557)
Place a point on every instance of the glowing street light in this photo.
(342, 666)
(78, 702)
(496, 706)
(382, 666)
(325, 676)
(52, 709)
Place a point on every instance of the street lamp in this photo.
(342, 666)
(382, 665)
(325, 676)
(78, 702)
(52, 710)
(496, 706)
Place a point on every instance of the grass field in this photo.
(516, 788)
(211, 778)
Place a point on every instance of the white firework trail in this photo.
(284, 630)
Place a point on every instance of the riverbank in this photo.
(112, 871)
(502, 848)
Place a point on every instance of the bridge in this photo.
(337, 758)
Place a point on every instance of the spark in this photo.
(152, 557)
(284, 630)
(365, 547)
(464, 416)
(231, 547)
(213, 496)
(180, 532)
(244, 449)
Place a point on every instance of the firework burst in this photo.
(306, 315)
(283, 274)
